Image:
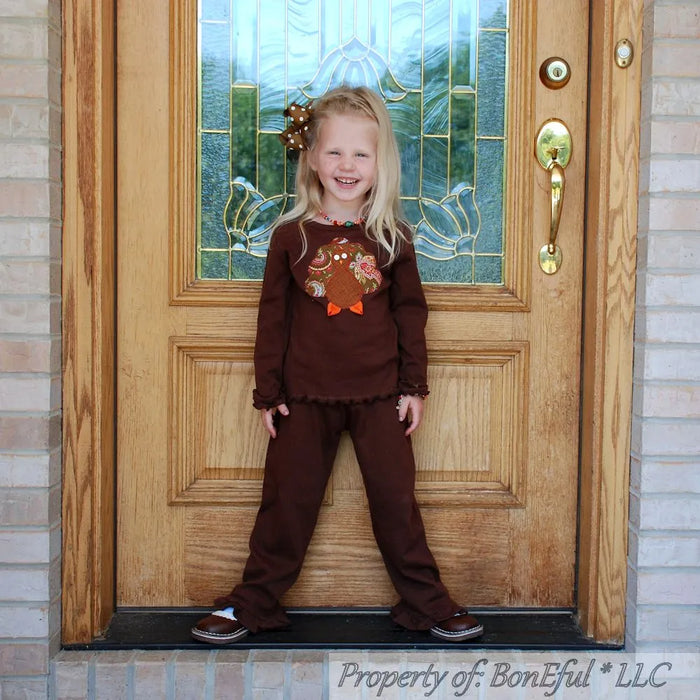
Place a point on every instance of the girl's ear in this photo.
(311, 159)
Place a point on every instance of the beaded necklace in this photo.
(335, 222)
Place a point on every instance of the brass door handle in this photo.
(553, 151)
(557, 183)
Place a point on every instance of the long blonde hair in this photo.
(382, 210)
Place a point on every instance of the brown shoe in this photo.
(220, 627)
(459, 627)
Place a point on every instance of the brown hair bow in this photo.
(294, 136)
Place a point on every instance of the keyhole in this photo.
(555, 73)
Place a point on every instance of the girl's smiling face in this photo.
(345, 160)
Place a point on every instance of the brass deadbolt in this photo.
(555, 72)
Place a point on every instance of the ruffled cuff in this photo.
(260, 401)
(407, 389)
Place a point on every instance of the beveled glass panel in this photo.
(492, 78)
(489, 199)
(215, 10)
(215, 80)
(214, 156)
(441, 67)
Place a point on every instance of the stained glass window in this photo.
(440, 66)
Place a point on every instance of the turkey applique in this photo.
(343, 272)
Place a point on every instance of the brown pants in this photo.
(299, 462)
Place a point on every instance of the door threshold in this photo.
(159, 629)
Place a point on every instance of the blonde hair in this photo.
(382, 210)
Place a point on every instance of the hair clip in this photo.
(294, 136)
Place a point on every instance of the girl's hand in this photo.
(411, 407)
(268, 416)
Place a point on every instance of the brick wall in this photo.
(30, 360)
(664, 552)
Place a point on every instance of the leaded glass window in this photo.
(440, 65)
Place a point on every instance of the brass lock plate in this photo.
(553, 142)
(550, 258)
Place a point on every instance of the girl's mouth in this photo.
(346, 181)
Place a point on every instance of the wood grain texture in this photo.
(183, 154)
(89, 328)
(480, 577)
(609, 321)
(553, 328)
(88, 319)
(215, 459)
(146, 568)
(482, 463)
(499, 444)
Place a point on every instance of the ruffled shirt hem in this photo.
(259, 403)
(333, 400)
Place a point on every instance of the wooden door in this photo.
(498, 451)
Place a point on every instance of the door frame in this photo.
(89, 319)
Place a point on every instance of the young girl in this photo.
(340, 346)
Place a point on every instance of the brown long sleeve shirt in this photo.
(336, 324)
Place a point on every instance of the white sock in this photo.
(226, 612)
